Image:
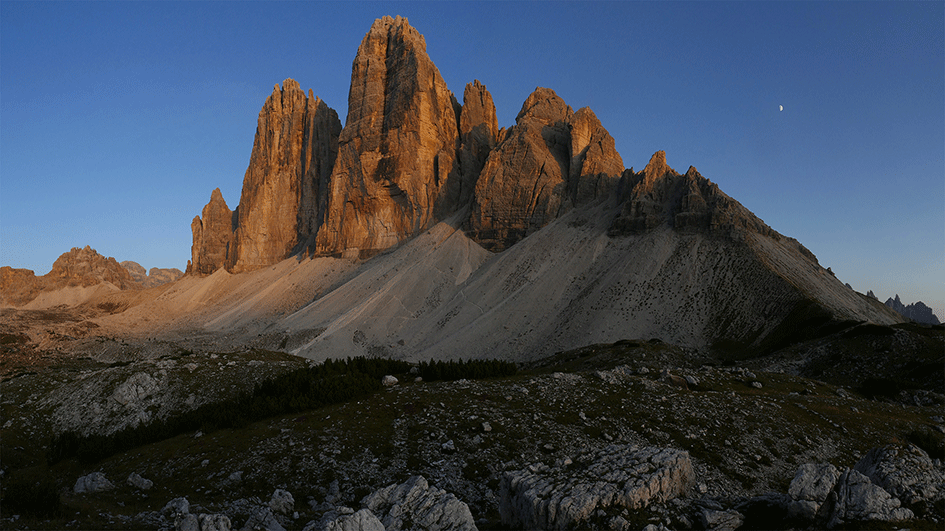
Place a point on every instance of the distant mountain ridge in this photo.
(916, 311)
(80, 269)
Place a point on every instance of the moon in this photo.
(780, 107)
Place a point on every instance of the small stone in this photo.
(486, 427)
(448, 447)
(388, 381)
(756, 384)
(205, 462)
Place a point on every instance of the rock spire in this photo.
(286, 184)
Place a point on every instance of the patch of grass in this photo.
(32, 492)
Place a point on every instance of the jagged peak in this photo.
(657, 169)
(398, 27)
(216, 195)
(544, 104)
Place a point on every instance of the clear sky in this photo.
(117, 120)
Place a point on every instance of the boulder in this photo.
(809, 489)
(139, 482)
(721, 520)
(856, 499)
(907, 473)
(363, 520)
(186, 522)
(214, 522)
(94, 482)
(618, 475)
(389, 380)
(282, 502)
(262, 519)
(415, 504)
(176, 506)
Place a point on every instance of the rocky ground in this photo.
(637, 433)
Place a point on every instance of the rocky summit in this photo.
(419, 319)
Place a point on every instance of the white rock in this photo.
(176, 506)
(905, 472)
(282, 502)
(618, 475)
(139, 482)
(388, 381)
(94, 482)
(186, 522)
(856, 499)
(262, 519)
(214, 522)
(414, 504)
(363, 520)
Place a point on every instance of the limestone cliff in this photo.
(214, 237)
(551, 160)
(479, 132)
(397, 151)
(285, 186)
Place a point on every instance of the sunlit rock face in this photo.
(286, 184)
(214, 235)
(397, 151)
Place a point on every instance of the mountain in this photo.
(916, 311)
(421, 229)
(75, 276)
(155, 277)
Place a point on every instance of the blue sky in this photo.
(117, 120)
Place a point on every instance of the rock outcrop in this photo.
(479, 132)
(155, 277)
(214, 237)
(286, 184)
(907, 473)
(523, 184)
(397, 151)
(856, 499)
(809, 489)
(659, 195)
(92, 483)
(85, 267)
(78, 268)
(414, 504)
(618, 475)
(916, 311)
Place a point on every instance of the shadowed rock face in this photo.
(552, 160)
(659, 195)
(285, 187)
(214, 237)
(479, 132)
(523, 183)
(398, 148)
